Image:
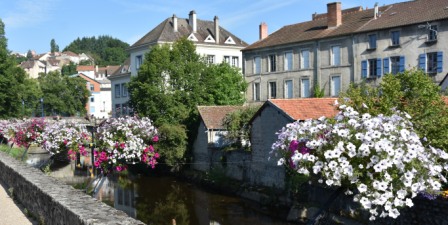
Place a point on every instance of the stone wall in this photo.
(56, 203)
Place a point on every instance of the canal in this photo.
(165, 199)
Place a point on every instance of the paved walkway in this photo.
(10, 212)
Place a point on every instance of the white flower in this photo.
(362, 188)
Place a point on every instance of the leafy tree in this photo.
(237, 124)
(412, 92)
(174, 80)
(12, 81)
(62, 94)
(53, 46)
(29, 54)
(68, 69)
(104, 49)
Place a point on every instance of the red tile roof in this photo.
(213, 115)
(355, 21)
(306, 108)
(85, 68)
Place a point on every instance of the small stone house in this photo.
(269, 119)
(211, 134)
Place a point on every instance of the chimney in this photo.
(334, 16)
(314, 15)
(375, 11)
(174, 23)
(263, 30)
(216, 19)
(192, 20)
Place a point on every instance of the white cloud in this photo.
(26, 13)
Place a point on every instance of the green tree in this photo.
(68, 69)
(29, 54)
(412, 92)
(237, 124)
(12, 81)
(104, 49)
(53, 46)
(172, 81)
(63, 95)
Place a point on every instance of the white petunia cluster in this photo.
(380, 158)
(62, 136)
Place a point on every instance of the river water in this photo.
(166, 200)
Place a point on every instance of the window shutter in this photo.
(364, 69)
(401, 65)
(439, 62)
(378, 67)
(422, 62)
(386, 65)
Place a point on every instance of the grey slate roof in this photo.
(164, 32)
(355, 20)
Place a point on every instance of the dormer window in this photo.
(432, 35)
(209, 39)
(192, 38)
(395, 38)
(230, 41)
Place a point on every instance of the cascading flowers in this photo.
(29, 132)
(123, 141)
(380, 159)
(66, 137)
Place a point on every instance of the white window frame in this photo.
(302, 59)
(302, 89)
(256, 91)
(235, 61)
(117, 90)
(257, 64)
(124, 90)
(287, 61)
(138, 61)
(272, 62)
(287, 89)
(332, 88)
(270, 92)
(210, 59)
(334, 56)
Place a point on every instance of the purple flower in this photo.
(294, 145)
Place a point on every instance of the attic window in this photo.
(229, 41)
(192, 37)
(209, 39)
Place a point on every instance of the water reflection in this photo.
(162, 200)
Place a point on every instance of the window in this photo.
(394, 65)
(256, 91)
(305, 59)
(335, 55)
(92, 99)
(124, 90)
(395, 38)
(432, 36)
(288, 89)
(372, 41)
(138, 62)
(371, 68)
(235, 61)
(227, 59)
(117, 91)
(257, 65)
(124, 109)
(92, 87)
(305, 83)
(210, 59)
(431, 62)
(272, 90)
(335, 85)
(272, 63)
(92, 109)
(288, 61)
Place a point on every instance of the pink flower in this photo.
(156, 155)
(96, 163)
(155, 138)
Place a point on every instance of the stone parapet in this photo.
(53, 201)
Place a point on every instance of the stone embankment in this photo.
(54, 202)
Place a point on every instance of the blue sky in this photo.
(31, 24)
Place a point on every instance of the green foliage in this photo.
(69, 69)
(237, 124)
(104, 49)
(172, 144)
(317, 91)
(412, 92)
(174, 80)
(12, 81)
(63, 95)
(53, 46)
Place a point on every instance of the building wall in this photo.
(220, 51)
(354, 49)
(264, 169)
(201, 153)
(118, 100)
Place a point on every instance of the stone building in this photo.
(212, 41)
(340, 47)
